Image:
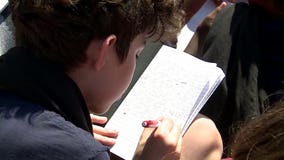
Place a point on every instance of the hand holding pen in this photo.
(159, 138)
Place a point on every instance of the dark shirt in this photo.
(42, 112)
(247, 43)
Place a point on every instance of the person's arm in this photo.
(202, 140)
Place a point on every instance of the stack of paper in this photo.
(175, 84)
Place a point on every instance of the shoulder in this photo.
(27, 130)
(202, 126)
(203, 139)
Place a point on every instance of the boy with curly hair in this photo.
(73, 57)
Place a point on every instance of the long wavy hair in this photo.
(262, 137)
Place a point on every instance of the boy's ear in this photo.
(106, 47)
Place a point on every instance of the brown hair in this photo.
(262, 137)
(60, 30)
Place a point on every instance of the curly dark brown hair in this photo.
(262, 137)
(61, 30)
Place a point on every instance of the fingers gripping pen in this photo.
(151, 123)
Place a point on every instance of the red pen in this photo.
(151, 123)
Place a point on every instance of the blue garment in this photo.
(29, 132)
(42, 112)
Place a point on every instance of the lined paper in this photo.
(175, 84)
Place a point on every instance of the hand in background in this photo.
(106, 136)
(206, 24)
(191, 7)
(195, 46)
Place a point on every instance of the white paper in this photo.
(174, 85)
(3, 4)
(189, 29)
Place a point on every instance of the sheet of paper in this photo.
(189, 29)
(170, 86)
(3, 4)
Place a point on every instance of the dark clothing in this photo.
(247, 43)
(42, 112)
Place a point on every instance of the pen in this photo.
(150, 123)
